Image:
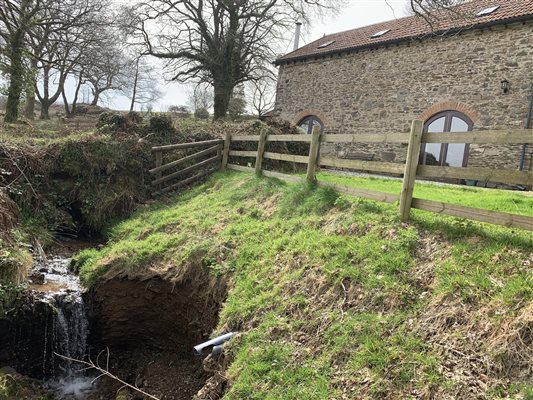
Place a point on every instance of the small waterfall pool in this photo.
(66, 328)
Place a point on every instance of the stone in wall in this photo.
(384, 89)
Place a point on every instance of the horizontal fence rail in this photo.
(201, 163)
(190, 145)
(367, 138)
(476, 214)
(286, 157)
(184, 160)
(514, 136)
(185, 171)
(374, 166)
(410, 169)
(475, 173)
(216, 154)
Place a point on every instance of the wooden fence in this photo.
(410, 169)
(164, 174)
(166, 178)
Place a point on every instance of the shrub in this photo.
(179, 111)
(201, 113)
(161, 125)
(111, 122)
(114, 120)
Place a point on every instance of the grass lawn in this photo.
(335, 298)
(514, 202)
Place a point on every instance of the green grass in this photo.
(43, 132)
(489, 199)
(331, 292)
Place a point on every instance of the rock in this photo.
(37, 278)
(8, 370)
(43, 270)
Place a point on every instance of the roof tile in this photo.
(414, 27)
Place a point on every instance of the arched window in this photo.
(309, 122)
(446, 154)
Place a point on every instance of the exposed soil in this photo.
(150, 328)
(165, 375)
(156, 314)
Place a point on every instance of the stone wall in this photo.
(383, 89)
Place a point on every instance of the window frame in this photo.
(311, 119)
(443, 154)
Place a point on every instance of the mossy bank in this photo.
(333, 297)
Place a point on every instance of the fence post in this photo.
(411, 164)
(158, 163)
(225, 155)
(313, 154)
(260, 151)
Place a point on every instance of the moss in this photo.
(15, 263)
(15, 386)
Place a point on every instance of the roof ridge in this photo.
(414, 26)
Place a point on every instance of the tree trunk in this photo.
(45, 110)
(95, 98)
(222, 89)
(65, 102)
(134, 94)
(45, 105)
(29, 107)
(76, 93)
(16, 74)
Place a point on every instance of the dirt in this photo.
(165, 375)
(150, 327)
(154, 313)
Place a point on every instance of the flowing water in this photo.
(67, 327)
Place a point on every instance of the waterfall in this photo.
(66, 330)
(69, 331)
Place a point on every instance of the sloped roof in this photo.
(414, 27)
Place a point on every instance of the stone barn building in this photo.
(469, 72)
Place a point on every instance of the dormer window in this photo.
(487, 11)
(326, 44)
(380, 33)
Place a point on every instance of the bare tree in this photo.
(108, 68)
(43, 38)
(144, 86)
(224, 43)
(75, 26)
(199, 97)
(262, 95)
(435, 10)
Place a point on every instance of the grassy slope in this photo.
(336, 298)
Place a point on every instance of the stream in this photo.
(148, 327)
(66, 329)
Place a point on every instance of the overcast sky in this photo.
(356, 13)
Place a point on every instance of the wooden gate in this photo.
(206, 161)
